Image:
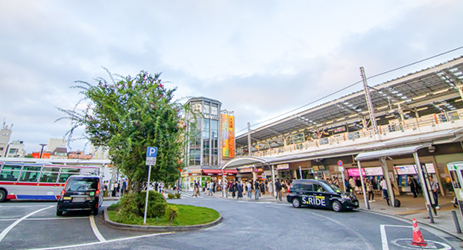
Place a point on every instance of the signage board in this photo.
(283, 166)
(151, 153)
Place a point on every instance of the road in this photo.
(246, 225)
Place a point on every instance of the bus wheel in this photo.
(2, 195)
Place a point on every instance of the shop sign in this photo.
(245, 170)
(376, 171)
(258, 170)
(355, 172)
(283, 166)
(410, 169)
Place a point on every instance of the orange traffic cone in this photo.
(417, 237)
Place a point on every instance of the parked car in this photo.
(81, 192)
(315, 193)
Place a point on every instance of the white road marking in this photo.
(25, 206)
(384, 238)
(47, 218)
(100, 242)
(6, 230)
(95, 229)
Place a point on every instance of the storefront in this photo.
(402, 172)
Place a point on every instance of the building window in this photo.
(206, 142)
(214, 142)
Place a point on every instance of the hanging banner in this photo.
(225, 146)
(231, 137)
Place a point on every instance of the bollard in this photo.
(455, 219)
(431, 218)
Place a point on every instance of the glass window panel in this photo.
(11, 167)
(48, 177)
(63, 177)
(31, 168)
(70, 170)
(214, 109)
(8, 175)
(50, 169)
(206, 108)
(29, 176)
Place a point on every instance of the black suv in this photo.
(81, 192)
(322, 194)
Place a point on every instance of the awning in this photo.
(231, 171)
(390, 152)
(212, 171)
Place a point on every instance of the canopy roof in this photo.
(430, 91)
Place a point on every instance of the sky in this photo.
(261, 59)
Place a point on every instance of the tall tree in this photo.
(128, 115)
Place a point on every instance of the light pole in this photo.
(41, 151)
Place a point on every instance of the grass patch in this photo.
(188, 215)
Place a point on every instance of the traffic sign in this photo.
(340, 163)
(151, 153)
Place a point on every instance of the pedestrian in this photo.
(233, 189)
(351, 184)
(240, 190)
(413, 186)
(434, 189)
(249, 188)
(383, 185)
(156, 186)
(262, 188)
(124, 186)
(270, 187)
(278, 189)
(224, 188)
(256, 189)
(211, 188)
(371, 195)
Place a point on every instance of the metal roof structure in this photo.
(426, 92)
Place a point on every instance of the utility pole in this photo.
(371, 109)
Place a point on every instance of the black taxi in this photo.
(315, 193)
(81, 192)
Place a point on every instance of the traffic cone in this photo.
(417, 237)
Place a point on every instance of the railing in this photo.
(394, 129)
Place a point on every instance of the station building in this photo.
(422, 111)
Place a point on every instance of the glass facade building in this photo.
(204, 142)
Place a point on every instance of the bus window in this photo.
(48, 177)
(29, 176)
(50, 169)
(70, 170)
(10, 173)
(63, 177)
(31, 168)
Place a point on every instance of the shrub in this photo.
(129, 208)
(177, 195)
(170, 196)
(157, 204)
(172, 212)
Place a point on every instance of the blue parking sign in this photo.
(151, 152)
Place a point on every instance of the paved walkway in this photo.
(411, 208)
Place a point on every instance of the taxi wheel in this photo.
(59, 213)
(296, 202)
(95, 211)
(336, 206)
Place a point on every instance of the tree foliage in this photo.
(128, 115)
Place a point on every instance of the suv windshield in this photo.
(82, 184)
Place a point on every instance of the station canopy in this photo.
(428, 91)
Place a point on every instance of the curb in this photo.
(142, 228)
(460, 237)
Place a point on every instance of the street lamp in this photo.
(41, 151)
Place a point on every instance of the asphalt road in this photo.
(246, 225)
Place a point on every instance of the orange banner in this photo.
(231, 137)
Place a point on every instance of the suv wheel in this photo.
(336, 206)
(296, 202)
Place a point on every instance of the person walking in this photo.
(434, 189)
(351, 184)
(257, 189)
(262, 188)
(270, 187)
(278, 189)
(233, 189)
(249, 187)
(371, 195)
(383, 185)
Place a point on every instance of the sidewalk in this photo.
(415, 208)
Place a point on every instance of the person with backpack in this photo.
(278, 189)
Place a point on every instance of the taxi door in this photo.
(321, 196)
(306, 192)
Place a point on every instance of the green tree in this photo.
(128, 115)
